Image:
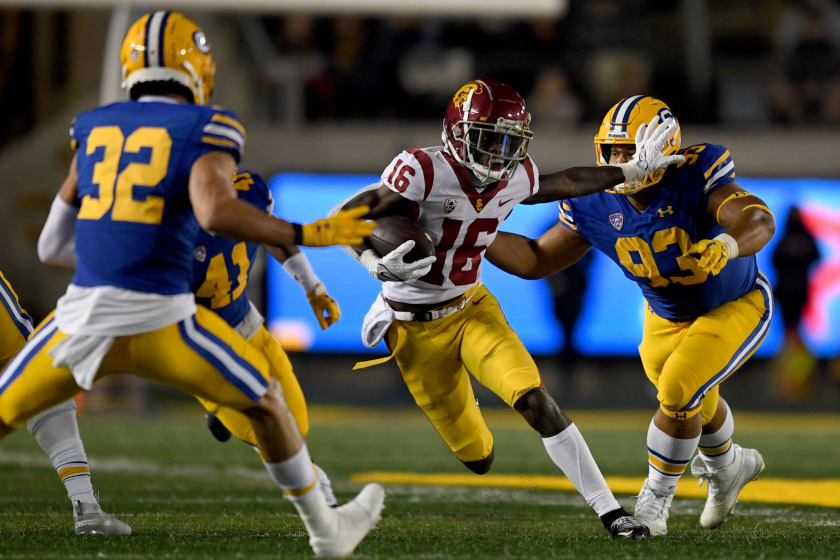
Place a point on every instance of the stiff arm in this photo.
(575, 182)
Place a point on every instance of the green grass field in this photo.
(187, 496)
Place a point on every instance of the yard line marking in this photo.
(767, 490)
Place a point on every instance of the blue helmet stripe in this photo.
(625, 107)
(146, 42)
(618, 110)
(160, 41)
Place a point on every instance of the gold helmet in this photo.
(620, 126)
(167, 46)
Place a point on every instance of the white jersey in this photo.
(461, 221)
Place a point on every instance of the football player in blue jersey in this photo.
(221, 269)
(147, 175)
(687, 235)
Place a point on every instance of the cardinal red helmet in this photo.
(486, 129)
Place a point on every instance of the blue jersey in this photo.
(135, 227)
(649, 246)
(221, 266)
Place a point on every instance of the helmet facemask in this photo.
(491, 151)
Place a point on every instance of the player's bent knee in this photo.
(274, 400)
(481, 466)
(677, 388)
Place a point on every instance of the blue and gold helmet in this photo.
(167, 46)
(620, 126)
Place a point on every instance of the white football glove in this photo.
(392, 267)
(650, 141)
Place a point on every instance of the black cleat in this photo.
(219, 431)
(628, 528)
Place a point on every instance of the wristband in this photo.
(730, 243)
(630, 170)
(298, 234)
(298, 267)
(367, 258)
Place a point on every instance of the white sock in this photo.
(570, 453)
(667, 458)
(57, 432)
(716, 448)
(296, 476)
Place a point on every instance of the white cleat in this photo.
(652, 509)
(91, 520)
(354, 521)
(725, 484)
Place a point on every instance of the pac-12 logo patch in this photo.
(449, 205)
(200, 253)
(617, 220)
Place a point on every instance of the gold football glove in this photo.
(321, 302)
(711, 255)
(345, 228)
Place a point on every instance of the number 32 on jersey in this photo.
(116, 191)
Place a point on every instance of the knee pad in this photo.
(677, 386)
(680, 414)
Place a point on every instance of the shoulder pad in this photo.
(411, 174)
(712, 164)
(223, 130)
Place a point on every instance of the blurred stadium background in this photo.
(330, 90)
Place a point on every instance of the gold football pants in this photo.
(201, 356)
(686, 361)
(15, 324)
(280, 368)
(434, 358)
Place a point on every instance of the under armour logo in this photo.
(680, 415)
(663, 212)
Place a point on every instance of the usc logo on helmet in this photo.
(462, 94)
(167, 46)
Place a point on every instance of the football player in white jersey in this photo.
(436, 317)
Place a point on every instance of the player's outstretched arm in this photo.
(575, 182)
(533, 259)
(218, 209)
(749, 222)
(57, 242)
(382, 202)
(297, 266)
(582, 181)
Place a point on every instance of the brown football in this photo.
(393, 231)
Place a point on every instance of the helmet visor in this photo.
(496, 150)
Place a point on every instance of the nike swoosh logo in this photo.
(476, 302)
(503, 202)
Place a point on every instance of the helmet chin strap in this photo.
(198, 83)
